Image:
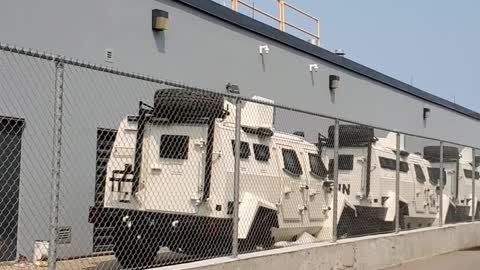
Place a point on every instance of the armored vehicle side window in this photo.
(391, 164)
(291, 163)
(174, 147)
(419, 173)
(244, 149)
(317, 168)
(468, 174)
(434, 175)
(345, 163)
(261, 151)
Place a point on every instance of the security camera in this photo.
(264, 49)
(313, 67)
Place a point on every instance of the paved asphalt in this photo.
(460, 260)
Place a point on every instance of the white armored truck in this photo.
(367, 176)
(458, 176)
(170, 178)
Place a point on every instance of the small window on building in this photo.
(244, 149)
(391, 164)
(174, 147)
(419, 173)
(434, 176)
(261, 151)
(468, 174)
(317, 168)
(345, 163)
(291, 163)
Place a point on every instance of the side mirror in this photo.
(328, 185)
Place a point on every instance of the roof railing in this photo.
(281, 19)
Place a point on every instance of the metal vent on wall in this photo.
(64, 235)
(109, 55)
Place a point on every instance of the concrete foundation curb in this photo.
(363, 253)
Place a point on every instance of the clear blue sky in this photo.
(434, 43)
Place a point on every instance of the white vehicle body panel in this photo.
(177, 185)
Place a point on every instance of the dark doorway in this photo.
(102, 228)
(11, 130)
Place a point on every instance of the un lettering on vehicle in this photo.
(344, 188)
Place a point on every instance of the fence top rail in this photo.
(97, 67)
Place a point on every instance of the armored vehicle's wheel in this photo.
(260, 234)
(403, 213)
(432, 153)
(477, 210)
(206, 247)
(180, 105)
(134, 247)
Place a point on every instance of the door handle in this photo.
(287, 190)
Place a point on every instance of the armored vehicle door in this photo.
(292, 203)
(421, 193)
(174, 160)
(454, 180)
(432, 190)
(315, 172)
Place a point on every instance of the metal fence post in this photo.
(397, 185)
(440, 221)
(56, 162)
(236, 177)
(474, 176)
(335, 180)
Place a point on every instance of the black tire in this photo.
(346, 222)
(352, 135)
(202, 237)
(181, 105)
(134, 247)
(403, 213)
(260, 234)
(201, 248)
(432, 153)
(477, 210)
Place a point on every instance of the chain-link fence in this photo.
(105, 169)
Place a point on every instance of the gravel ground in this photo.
(95, 263)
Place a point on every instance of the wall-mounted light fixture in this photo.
(232, 88)
(313, 67)
(426, 113)
(263, 49)
(334, 81)
(159, 20)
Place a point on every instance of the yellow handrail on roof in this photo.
(281, 19)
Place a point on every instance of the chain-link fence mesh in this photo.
(27, 88)
(365, 188)
(419, 189)
(285, 192)
(459, 173)
(103, 169)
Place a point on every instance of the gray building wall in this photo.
(197, 49)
